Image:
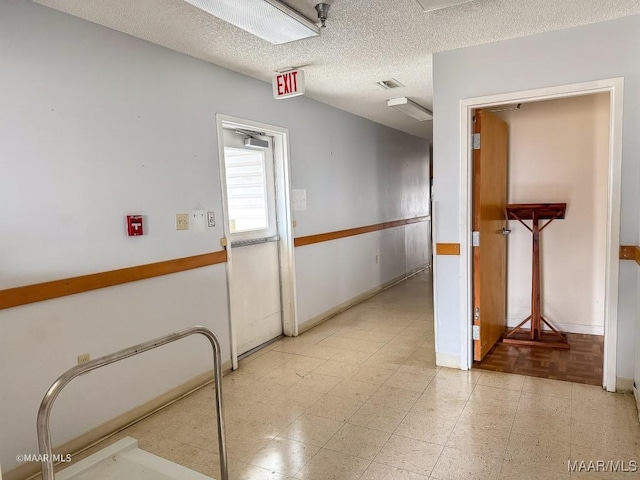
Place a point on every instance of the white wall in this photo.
(602, 50)
(95, 125)
(399, 250)
(358, 196)
(559, 152)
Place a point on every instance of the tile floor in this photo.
(360, 397)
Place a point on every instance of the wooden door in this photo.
(490, 255)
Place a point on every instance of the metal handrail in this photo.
(44, 413)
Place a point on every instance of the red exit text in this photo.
(288, 84)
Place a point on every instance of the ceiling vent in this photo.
(389, 84)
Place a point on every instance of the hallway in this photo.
(359, 397)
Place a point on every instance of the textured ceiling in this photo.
(365, 41)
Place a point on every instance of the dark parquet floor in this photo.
(581, 364)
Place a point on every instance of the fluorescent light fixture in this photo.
(270, 20)
(431, 5)
(410, 108)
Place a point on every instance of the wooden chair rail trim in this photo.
(630, 252)
(325, 237)
(14, 297)
(447, 249)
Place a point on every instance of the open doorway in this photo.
(550, 163)
(255, 181)
(554, 309)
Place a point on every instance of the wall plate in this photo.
(182, 221)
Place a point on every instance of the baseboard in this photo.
(118, 423)
(624, 385)
(448, 360)
(565, 327)
(352, 302)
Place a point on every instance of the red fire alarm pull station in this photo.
(134, 225)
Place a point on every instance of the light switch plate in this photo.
(211, 219)
(182, 221)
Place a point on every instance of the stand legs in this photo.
(536, 333)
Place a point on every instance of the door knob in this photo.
(506, 231)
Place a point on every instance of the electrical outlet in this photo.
(377, 259)
(211, 219)
(83, 358)
(182, 221)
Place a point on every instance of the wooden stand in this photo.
(536, 336)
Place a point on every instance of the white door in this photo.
(254, 275)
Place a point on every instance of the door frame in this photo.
(282, 172)
(615, 87)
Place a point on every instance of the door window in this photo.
(250, 188)
(247, 199)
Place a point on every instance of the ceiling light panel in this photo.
(270, 20)
(430, 5)
(410, 108)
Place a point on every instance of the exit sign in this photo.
(288, 84)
